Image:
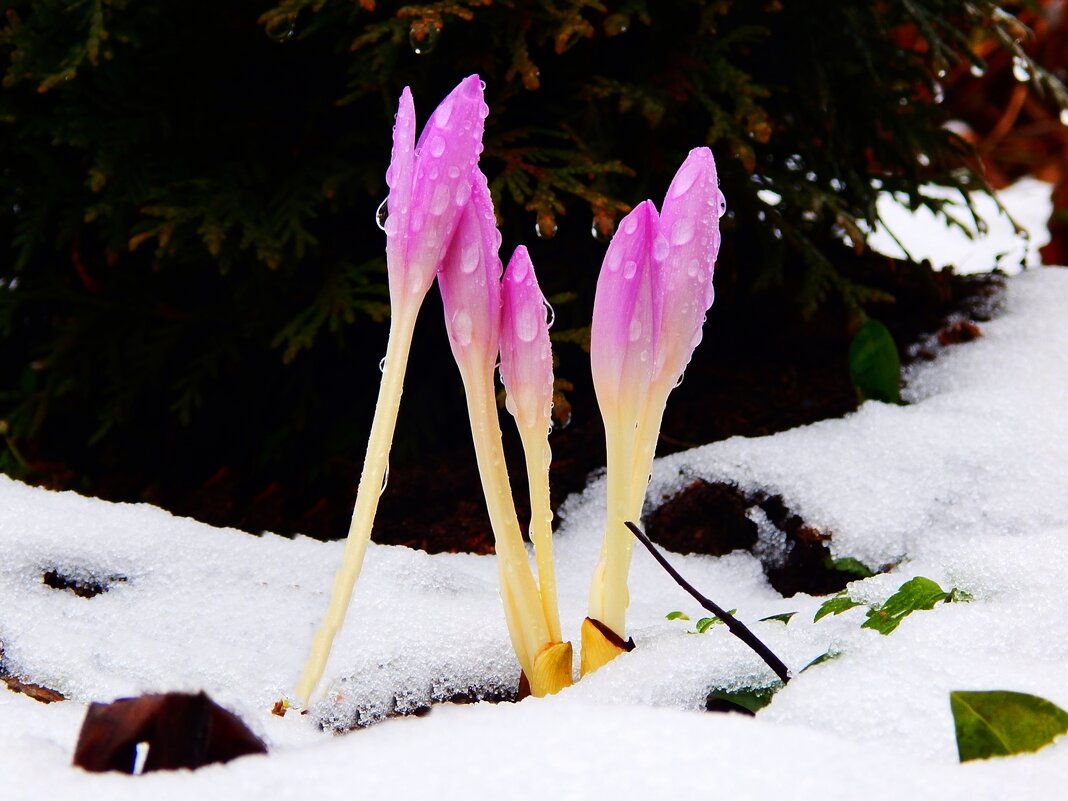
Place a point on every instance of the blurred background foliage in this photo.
(193, 289)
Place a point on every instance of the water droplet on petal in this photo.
(550, 316)
(482, 84)
(722, 204)
(461, 328)
(682, 375)
(526, 324)
(392, 225)
(613, 259)
(442, 113)
(693, 268)
(437, 145)
(382, 214)
(660, 248)
(682, 231)
(520, 271)
(635, 330)
(469, 257)
(463, 193)
(630, 225)
(454, 172)
(686, 177)
(630, 268)
(439, 201)
(418, 218)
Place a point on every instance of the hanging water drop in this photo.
(385, 479)
(545, 227)
(938, 94)
(678, 383)
(1064, 116)
(423, 35)
(382, 365)
(978, 70)
(382, 214)
(1020, 70)
(550, 313)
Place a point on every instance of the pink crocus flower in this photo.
(430, 184)
(653, 292)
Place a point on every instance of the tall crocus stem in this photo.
(367, 495)
(429, 186)
(536, 451)
(737, 628)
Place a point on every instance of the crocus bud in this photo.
(684, 250)
(429, 186)
(526, 355)
(469, 280)
(623, 336)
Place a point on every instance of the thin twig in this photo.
(737, 628)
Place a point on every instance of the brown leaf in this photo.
(180, 730)
(45, 695)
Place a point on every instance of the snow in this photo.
(966, 485)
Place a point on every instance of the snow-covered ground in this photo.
(967, 485)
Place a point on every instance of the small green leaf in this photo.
(914, 594)
(784, 618)
(1000, 723)
(677, 616)
(874, 364)
(826, 656)
(847, 564)
(705, 623)
(835, 606)
(750, 700)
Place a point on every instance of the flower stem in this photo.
(522, 605)
(402, 326)
(538, 457)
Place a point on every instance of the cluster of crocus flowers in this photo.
(653, 292)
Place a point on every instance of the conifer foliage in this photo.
(191, 279)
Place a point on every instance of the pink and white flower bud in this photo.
(470, 282)
(623, 337)
(684, 251)
(526, 355)
(429, 186)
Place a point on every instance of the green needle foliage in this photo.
(190, 275)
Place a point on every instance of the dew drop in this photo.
(630, 268)
(382, 214)
(418, 218)
(978, 70)
(469, 256)
(1020, 70)
(550, 313)
(660, 248)
(520, 271)
(454, 172)
(545, 227)
(1064, 116)
(923, 159)
(442, 113)
(463, 193)
(392, 225)
(614, 258)
(423, 36)
(482, 84)
(437, 145)
(385, 479)
(686, 178)
(382, 365)
(601, 231)
(938, 94)
(693, 268)
(483, 110)
(682, 231)
(678, 383)
(722, 204)
(461, 328)
(526, 324)
(439, 201)
(630, 225)
(635, 331)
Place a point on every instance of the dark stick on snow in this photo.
(737, 628)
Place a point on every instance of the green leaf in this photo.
(750, 700)
(1001, 723)
(914, 594)
(826, 656)
(705, 623)
(874, 364)
(784, 618)
(847, 564)
(835, 606)
(677, 616)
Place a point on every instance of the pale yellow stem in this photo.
(538, 457)
(375, 463)
(522, 604)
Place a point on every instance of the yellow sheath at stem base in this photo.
(599, 646)
(552, 669)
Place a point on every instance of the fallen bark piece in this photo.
(45, 695)
(180, 730)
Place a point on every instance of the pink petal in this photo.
(444, 157)
(685, 251)
(399, 177)
(623, 335)
(526, 355)
(469, 280)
